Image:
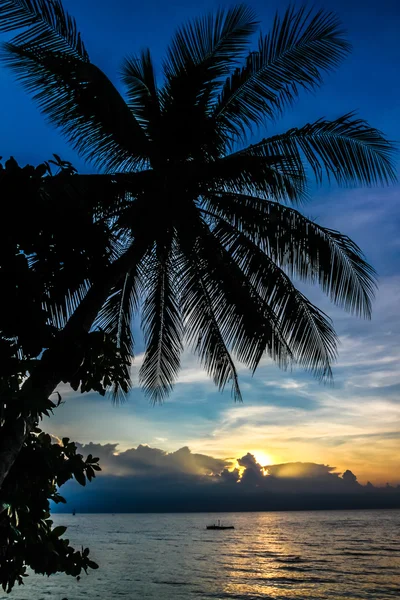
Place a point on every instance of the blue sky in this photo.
(286, 416)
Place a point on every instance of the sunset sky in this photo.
(286, 416)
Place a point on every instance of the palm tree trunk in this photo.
(49, 371)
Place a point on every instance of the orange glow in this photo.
(262, 458)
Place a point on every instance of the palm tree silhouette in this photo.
(208, 228)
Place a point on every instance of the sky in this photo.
(286, 417)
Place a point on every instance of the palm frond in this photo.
(300, 47)
(201, 325)
(347, 149)
(115, 318)
(274, 176)
(61, 309)
(200, 54)
(204, 50)
(162, 326)
(307, 330)
(79, 98)
(139, 78)
(45, 23)
(248, 325)
(304, 249)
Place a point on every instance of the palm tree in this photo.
(207, 227)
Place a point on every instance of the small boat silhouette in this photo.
(219, 526)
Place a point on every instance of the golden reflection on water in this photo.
(252, 572)
(279, 558)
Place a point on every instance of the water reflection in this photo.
(287, 556)
(270, 563)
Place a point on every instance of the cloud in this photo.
(145, 461)
(295, 477)
(146, 478)
(301, 470)
(286, 384)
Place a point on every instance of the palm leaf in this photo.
(201, 325)
(307, 330)
(61, 309)
(200, 54)
(78, 98)
(204, 50)
(115, 318)
(139, 78)
(306, 250)
(293, 56)
(347, 149)
(45, 23)
(276, 177)
(162, 326)
(248, 325)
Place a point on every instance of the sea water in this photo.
(281, 555)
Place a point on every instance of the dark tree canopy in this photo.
(40, 264)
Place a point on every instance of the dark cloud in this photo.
(149, 479)
(349, 478)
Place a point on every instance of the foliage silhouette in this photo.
(27, 535)
(39, 265)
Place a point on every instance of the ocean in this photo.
(337, 555)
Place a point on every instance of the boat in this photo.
(219, 526)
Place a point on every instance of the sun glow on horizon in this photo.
(262, 457)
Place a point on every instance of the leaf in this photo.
(80, 477)
(202, 327)
(92, 565)
(201, 52)
(204, 49)
(90, 474)
(271, 177)
(304, 249)
(347, 149)
(143, 99)
(215, 40)
(115, 318)
(300, 47)
(162, 327)
(79, 99)
(59, 531)
(307, 330)
(45, 23)
(247, 324)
